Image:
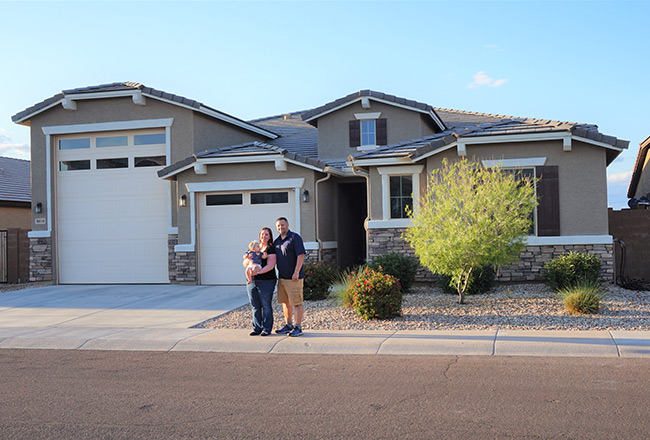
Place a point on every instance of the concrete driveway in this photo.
(118, 306)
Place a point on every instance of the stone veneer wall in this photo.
(182, 265)
(328, 256)
(40, 259)
(528, 268)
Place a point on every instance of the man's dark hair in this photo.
(283, 219)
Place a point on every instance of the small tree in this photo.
(471, 216)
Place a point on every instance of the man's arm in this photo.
(299, 262)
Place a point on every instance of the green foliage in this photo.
(400, 266)
(341, 288)
(318, 279)
(480, 281)
(470, 217)
(572, 268)
(582, 298)
(375, 295)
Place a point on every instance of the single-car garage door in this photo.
(229, 221)
(111, 208)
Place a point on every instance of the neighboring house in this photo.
(639, 189)
(142, 186)
(15, 219)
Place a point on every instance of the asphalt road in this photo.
(50, 394)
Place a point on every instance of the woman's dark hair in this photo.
(270, 234)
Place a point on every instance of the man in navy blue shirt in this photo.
(290, 254)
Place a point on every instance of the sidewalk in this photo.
(482, 343)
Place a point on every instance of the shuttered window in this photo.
(548, 196)
(368, 132)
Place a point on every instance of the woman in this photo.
(260, 291)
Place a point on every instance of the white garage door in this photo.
(229, 221)
(112, 209)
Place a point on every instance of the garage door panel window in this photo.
(74, 144)
(224, 199)
(269, 197)
(74, 165)
(120, 162)
(149, 139)
(112, 141)
(150, 161)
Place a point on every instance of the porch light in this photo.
(182, 201)
(305, 196)
(38, 208)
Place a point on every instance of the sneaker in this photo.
(286, 329)
(255, 332)
(297, 331)
(265, 333)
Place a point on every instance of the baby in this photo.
(254, 257)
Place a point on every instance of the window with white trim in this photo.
(368, 132)
(401, 196)
(400, 187)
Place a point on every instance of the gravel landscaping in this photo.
(515, 306)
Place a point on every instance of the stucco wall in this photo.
(643, 186)
(243, 172)
(210, 134)
(582, 178)
(334, 135)
(11, 217)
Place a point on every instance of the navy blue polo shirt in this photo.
(287, 252)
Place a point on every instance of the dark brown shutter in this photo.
(381, 132)
(548, 195)
(355, 133)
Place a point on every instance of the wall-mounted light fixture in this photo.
(182, 201)
(305, 196)
(38, 208)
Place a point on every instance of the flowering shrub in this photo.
(375, 295)
(318, 279)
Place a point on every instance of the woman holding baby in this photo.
(260, 289)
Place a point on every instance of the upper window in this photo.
(149, 139)
(74, 144)
(401, 196)
(368, 132)
(269, 197)
(112, 141)
(224, 199)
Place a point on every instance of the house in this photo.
(15, 219)
(142, 186)
(639, 189)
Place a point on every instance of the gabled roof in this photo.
(134, 89)
(14, 180)
(311, 116)
(467, 126)
(644, 148)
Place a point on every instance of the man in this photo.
(290, 254)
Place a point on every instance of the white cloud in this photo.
(620, 177)
(10, 149)
(482, 79)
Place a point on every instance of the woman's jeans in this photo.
(260, 294)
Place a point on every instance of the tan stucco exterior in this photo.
(333, 128)
(643, 187)
(13, 217)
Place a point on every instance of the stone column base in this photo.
(40, 259)
(182, 265)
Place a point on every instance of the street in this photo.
(167, 395)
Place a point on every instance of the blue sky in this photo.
(570, 61)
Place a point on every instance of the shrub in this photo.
(375, 295)
(400, 266)
(480, 281)
(318, 279)
(572, 268)
(584, 297)
(340, 289)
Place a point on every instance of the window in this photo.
(526, 173)
(368, 133)
(74, 144)
(270, 197)
(149, 139)
(120, 162)
(223, 199)
(112, 141)
(74, 165)
(151, 161)
(401, 196)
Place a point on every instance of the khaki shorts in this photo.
(290, 292)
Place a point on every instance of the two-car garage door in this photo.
(229, 221)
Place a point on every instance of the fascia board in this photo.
(375, 162)
(100, 95)
(597, 143)
(108, 126)
(394, 104)
(244, 185)
(40, 110)
(494, 139)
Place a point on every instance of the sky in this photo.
(577, 61)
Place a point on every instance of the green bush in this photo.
(480, 281)
(582, 298)
(375, 295)
(571, 269)
(318, 279)
(400, 266)
(340, 289)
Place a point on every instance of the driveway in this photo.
(118, 306)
